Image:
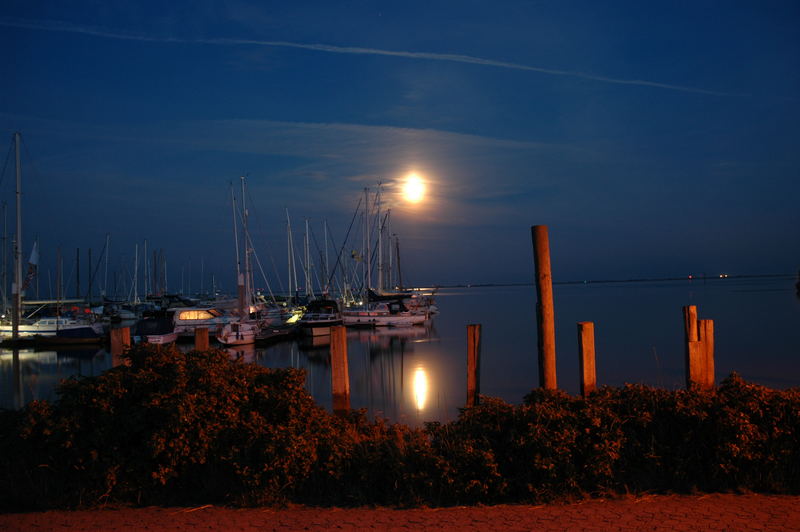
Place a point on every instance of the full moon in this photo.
(413, 189)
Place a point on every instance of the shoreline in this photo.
(689, 278)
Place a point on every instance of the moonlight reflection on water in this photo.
(418, 374)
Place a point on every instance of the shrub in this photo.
(175, 427)
(757, 437)
(178, 428)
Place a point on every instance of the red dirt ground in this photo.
(664, 512)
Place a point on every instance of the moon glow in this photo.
(413, 189)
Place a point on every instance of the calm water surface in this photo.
(419, 374)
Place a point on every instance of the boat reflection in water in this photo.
(27, 374)
(391, 371)
(244, 352)
(395, 373)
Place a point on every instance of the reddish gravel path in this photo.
(670, 512)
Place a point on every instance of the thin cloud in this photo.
(296, 136)
(346, 155)
(352, 50)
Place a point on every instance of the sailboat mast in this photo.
(389, 248)
(399, 271)
(288, 252)
(235, 234)
(307, 252)
(136, 273)
(380, 242)
(58, 285)
(367, 244)
(59, 281)
(292, 265)
(105, 279)
(77, 273)
(248, 289)
(17, 313)
(325, 288)
(5, 258)
(146, 278)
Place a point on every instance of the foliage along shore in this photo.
(197, 428)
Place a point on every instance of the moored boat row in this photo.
(164, 318)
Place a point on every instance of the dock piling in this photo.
(545, 316)
(694, 349)
(586, 362)
(340, 380)
(706, 337)
(120, 341)
(201, 339)
(473, 364)
(699, 338)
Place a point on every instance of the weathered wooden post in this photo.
(340, 380)
(695, 357)
(545, 316)
(120, 342)
(588, 373)
(201, 339)
(705, 336)
(473, 364)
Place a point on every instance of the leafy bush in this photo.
(172, 427)
(179, 428)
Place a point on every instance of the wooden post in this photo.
(695, 358)
(120, 341)
(706, 337)
(690, 323)
(201, 339)
(473, 364)
(588, 374)
(340, 380)
(545, 316)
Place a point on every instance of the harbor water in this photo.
(418, 374)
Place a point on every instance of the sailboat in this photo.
(79, 328)
(245, 329)
(383, 314)
(375, 309)
(319, 314)
(16, 305)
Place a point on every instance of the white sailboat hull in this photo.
(47, 327)
(238, 333)
(371, 318)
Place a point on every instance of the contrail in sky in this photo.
(353, 50)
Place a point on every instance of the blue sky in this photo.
(653, 139)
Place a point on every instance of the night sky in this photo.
(655, 139)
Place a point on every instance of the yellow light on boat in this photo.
(413, 189)
(420, 388)
(294, 317)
